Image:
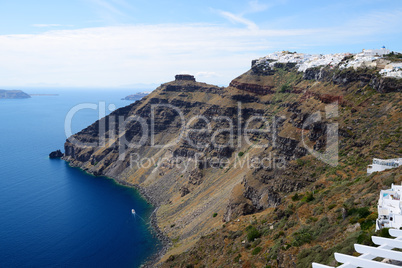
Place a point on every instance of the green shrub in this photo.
(373, 216)
(302, 236)
(256, 251)
(388, 181)
(273, 252)
(290, 224)
(360, 212)
(308, 197)
(367, 224)
(288, 211)
(318, 210)
(296, 197)
(364, 238)
(320, 255)
(284, 88)
(307, 234)
(215, 214)
(240, 154)
(384, 233)
(234, 235)
(353, 220)
(253, 233)
(281, 233)
(331, 206)
(311, 219)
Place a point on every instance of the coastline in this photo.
(165, 242)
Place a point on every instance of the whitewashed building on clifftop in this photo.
(368, 58)
(383, 164)
(393, 69)
(376, 52)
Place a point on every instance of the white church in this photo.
(376, 52)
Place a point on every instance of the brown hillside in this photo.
(220, 182)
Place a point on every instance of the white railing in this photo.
(385, 250)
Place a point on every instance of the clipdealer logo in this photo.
(112, 130)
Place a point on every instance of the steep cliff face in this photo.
(206, 155)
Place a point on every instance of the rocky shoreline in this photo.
(164, 240)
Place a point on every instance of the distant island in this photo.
(137, 96)
(43, 95)
(13, 94)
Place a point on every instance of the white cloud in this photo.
(239, 19)
(113, 56)
(206, 75)
(378, 21)
(253, 6)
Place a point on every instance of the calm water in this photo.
(52, 214)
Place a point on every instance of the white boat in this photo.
(133, 211)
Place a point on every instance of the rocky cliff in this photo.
(208, 156)
(13, 94)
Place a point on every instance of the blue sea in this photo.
(53, 215)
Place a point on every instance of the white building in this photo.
(389, 208)
(373, 52)
(383, 164)
(372, 256)
(393, 69)
(368, 58)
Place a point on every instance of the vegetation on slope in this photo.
(335, 209)
(293, 211)
(299, 231)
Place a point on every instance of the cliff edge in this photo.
(212, 158)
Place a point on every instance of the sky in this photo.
(141, 43)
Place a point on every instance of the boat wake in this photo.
(136, 215)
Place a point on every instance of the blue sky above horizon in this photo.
(122, 43)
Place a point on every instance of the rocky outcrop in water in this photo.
(56, 154)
